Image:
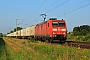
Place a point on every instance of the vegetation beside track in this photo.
(80, 33)
(3, 55)
(85, 38)
(16, 49)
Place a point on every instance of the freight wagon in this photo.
(23, 33)
(30, 32)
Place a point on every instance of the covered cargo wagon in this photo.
(30, 32)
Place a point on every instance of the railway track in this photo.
(74, 44)
(78, 44)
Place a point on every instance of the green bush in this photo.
(87, 39)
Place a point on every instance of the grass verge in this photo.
(27, 50)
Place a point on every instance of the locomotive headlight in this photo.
(54, 29)
(63, 29)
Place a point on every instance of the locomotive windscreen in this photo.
(58, 24)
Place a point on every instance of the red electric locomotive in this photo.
(51, 30)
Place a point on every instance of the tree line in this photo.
(81, 30)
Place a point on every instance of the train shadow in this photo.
(58, 42)
(65, 43)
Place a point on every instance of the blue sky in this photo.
(75, 12)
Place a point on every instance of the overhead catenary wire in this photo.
(57, 6)
(71, 7)
(20, 22)
(74, 10)
(50, 5)
(38, 8)
(62, 4)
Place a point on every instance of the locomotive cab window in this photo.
(55, 23)
(58, 24)
(61, 24)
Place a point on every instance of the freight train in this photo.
(50, 30)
